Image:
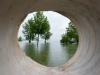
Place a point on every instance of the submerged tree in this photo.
(20, 38)
(71, 35)
(46, 35)
(28, 32)
(36, 26)
(40, 24)
(64, 39)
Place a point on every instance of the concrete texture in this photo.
(85, 14)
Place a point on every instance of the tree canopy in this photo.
(28, 31)
(40, 24)
(20, 38)
(36, 26)
(71, 35)
(46, 35)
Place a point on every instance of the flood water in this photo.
(50, 54)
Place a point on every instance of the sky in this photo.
(58, 24)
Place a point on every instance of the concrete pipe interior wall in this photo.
(85, 14)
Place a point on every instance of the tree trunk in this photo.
(45, 40)
(38, 40)
(29, 41)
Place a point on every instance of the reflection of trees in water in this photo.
(43, 53)
(46, 55)
(37, 53)
(71, 49)
(30, 50)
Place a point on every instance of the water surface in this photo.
(49, 54)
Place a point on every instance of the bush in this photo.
(20, 38)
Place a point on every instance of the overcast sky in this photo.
(58, 24)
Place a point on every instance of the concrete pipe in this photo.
(85, 14)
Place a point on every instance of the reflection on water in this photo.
(49, 54)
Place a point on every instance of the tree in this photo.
(28, 31)
(20, 38)
(40, 24)
(71, 35)
(46, 35)
(64, 39)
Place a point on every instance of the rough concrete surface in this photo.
(85, 14)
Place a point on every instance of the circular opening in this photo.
(56, 51)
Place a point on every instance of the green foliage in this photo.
(71, 35)
(20, 38)
(46, 35)
(64, 39)
(40, 24)
(28, 31)
(36, 27)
